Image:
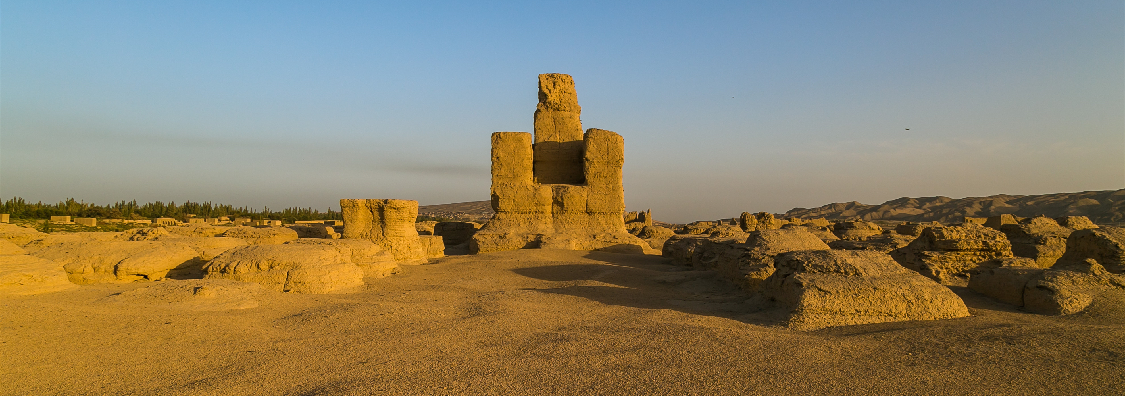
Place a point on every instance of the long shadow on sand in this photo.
(650, 282)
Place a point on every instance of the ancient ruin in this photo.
(388, 223)
(558, 189)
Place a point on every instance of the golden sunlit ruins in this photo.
(552, 287)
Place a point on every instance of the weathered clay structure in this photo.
(387, 222)
(560, 188)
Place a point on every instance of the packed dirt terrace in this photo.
(528, 322)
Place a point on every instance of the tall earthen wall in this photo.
(560, 188)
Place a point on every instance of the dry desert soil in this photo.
(528, 322)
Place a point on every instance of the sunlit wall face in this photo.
(724, 108)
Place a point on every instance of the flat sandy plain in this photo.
(529, 322)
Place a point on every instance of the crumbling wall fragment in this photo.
(389, 223)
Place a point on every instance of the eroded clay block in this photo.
(512, 157)
(521, 198)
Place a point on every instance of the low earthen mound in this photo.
(655, 235)
(192, 295)
(1076, 222)
(112, 261)
(1106, 245)
(320, 231)
(1037, 238)
(143, 234)
(301, 268)
(197, 230)
(207, 247)
(696, 228)
(262, 235)
(856, 230)
(1070, 289)
(21, 274)
(882, 243)
(950, 254)
(774, 242)
(914, 229)
(759, 221)
(1065, 289)
(828, 288)
(9, 248)
(727, 231)
(746, 263)
(20, 236)
(375, 261)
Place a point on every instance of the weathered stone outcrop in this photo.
(8, 248)
(882, 243)
(109, 261)
(1076, 222)
(655, 235)
(320, 231)
(1067, 288)
(300, 268)
(826, 288)
(995, 222)
(20, 236)
(856, 230)
(950, 254)
(727, 231)
(369, 257)
(262, 235)
(697, 228)
(22, 274)
(1093, 264)
(196, 230)
(1037, 238)
(744, 262)
(759, 221)
(143, 234)
(823, 232)
(433, 245)
(389, 223)
(1106, 245)
(913, 229)
(558, 189)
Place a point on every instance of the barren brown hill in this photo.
(1103, 207)
(475, 210)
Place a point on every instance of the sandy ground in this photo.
(527, 322)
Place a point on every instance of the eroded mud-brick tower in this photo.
(560, 188)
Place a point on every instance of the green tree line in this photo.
(19, 208)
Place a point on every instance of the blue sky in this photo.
(725, 106)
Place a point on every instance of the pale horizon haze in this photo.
(725, 107)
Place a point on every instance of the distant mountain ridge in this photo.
(472, 211)
(1102, 207)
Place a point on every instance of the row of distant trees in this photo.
(20, 209)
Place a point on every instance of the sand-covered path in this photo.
(528, 322)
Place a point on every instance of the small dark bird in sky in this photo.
(908, 129)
